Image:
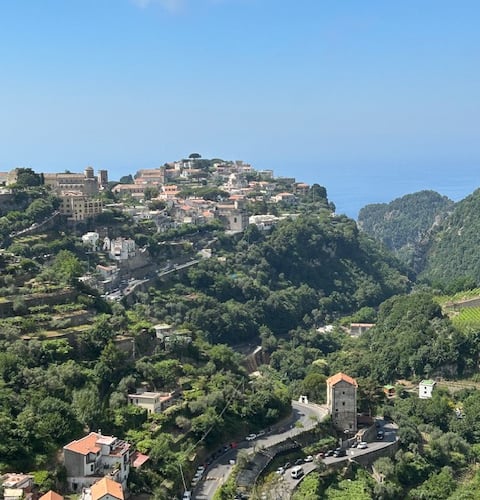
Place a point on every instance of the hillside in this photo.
(307, 271)
(403, 224)
(453, 251)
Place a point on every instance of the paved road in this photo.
(303, 417)
(177, 267)
(289, 484)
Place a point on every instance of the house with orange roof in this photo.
(169, 192)
(96, 456)
(106, 489)
(51, 495)
(342, 401)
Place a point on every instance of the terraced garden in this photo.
(462, 308)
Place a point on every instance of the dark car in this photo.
(329, 453)
(287, 465)
(354, 444)
(298, 461)
(339, 453)
(380, 435)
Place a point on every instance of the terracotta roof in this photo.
(105, 487)
(51, 495)
(86, 445)
(335, 379)
(137, 459)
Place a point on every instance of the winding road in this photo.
(303, 417)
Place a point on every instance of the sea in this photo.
(350, 189)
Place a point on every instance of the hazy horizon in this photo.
(372, 99)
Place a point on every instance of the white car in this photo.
(280, 471)
(308, 458)
(187, 495)
(362, 445)
(251, 437)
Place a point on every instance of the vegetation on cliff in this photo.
(403, 225)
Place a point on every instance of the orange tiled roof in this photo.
(335, 379)
(86, 445)
(105, 487)
(51, 495)
(137, 459)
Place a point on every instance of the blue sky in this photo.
(372, 99)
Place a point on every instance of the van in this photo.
(297, 472)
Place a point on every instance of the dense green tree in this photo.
(438, 486)
(87, 407)
(26, 177)
(403, 224)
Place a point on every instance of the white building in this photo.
(263, 222)
(153, 402)
(425, 389)
(90, 239)
(122, 249)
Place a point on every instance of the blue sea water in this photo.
(353, 188)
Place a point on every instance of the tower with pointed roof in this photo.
(342, 401)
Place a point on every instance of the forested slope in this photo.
(453, 254)
(307, 271)
(404, 223)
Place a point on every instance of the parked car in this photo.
(354, 444)
(287, 465)
(362, 445)
(280, 471)
(260, 433)
(329, 453)
(297, 472)
(339, 453)
(308, 458)
(380, 435)
(298, 461)
(251, 437)
(187, 495)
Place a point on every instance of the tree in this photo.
(194, 156)
(26, 177)
(440, 485)
(150, 192)
(126, 179)
(314, 386)
(110, 367)
(87, 406)
(65, 268)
